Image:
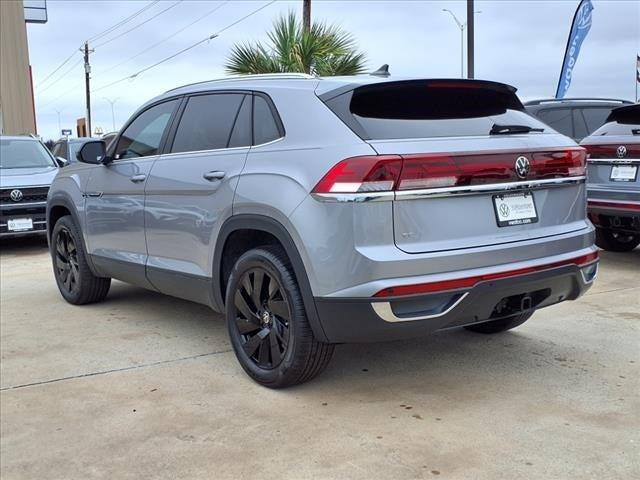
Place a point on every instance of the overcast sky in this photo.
(518, 42)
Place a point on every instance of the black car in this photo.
(574, 117)
(67, 148)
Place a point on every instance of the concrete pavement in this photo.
(146, 386)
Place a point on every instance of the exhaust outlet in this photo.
(526, 303)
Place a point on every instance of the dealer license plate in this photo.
(515, 209)
(20, 224)
(623, 173)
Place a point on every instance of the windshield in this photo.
(18, 153)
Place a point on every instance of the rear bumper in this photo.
(621, 213)
(379, 319)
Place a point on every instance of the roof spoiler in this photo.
(507, 93)
(629, 114)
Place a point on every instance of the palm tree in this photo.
(323, 50)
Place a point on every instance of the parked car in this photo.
(614, 186)
(67, 148)
(27, 169)
(107, 138)
(316, 211)
(574, 117)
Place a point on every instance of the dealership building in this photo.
(17, 110)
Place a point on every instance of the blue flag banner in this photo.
(579, 29)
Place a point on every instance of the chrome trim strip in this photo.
(25, 187)
(20, 204)
(490, 188)
(354, 197)
(582, 267)
(446, 191)
(621, 161)
(384, 311)
(612, 202)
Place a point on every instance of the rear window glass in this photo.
(614, 128)
(559, 119)
(595, 117)
(422, 109)
(265, 127)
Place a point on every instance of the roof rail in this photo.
(576, 99)
(261, 76)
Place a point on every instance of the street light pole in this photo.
(113, 115)
(59, 127)
(462, 27)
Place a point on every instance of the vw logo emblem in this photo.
(504, 210)
(522, 167)
(621, 151)
(16, 195)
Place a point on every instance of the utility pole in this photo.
(306, 15)
(87, 79)
(470, 42)
(113, 115)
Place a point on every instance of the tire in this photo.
(268, 325)
(501, 325)
(77, 284)
(616, 241)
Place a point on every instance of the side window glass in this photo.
(579, 127)
(57, 150)
(207, 122)
(559, 119)
(143, 136)
(265, 127)
(241, 133)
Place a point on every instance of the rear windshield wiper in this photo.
(509, 129)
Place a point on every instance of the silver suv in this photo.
(316, 211)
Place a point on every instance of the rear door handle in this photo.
(141, 177)
(211, 176)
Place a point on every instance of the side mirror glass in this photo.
(62, 162)
(93, 152)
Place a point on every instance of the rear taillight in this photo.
(610, 151)
(469, 282)
(382, 173)
(373, 173)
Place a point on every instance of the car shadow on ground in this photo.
(30, 245)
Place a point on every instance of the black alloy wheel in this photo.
(262, 318)
(66, 261)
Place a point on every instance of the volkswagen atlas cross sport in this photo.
(614, 183)
(316, 211)
(26, 172)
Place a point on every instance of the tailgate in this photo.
(614, 169)
(471, 195)
(467, 165)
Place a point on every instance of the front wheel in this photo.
(616, 241)
(267, 322)
(76, 282)
(501, 325)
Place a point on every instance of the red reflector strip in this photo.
(614, 205)
(610, 151)
(469, 282)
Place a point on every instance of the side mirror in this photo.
(62, 162)
(93, 152)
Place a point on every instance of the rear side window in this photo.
(207, 122)
(559, 119)
(265, 126)
(423, 109)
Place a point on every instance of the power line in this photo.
(138, 25)
(67, 92)
(67, 72)
(122, 22)
(151, 47)
(108, 30)
(210, 37)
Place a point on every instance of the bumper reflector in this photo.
(468, 282)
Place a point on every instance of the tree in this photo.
(323, 50)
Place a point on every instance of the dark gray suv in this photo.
(316, 211)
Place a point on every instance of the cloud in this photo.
(518, 42)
